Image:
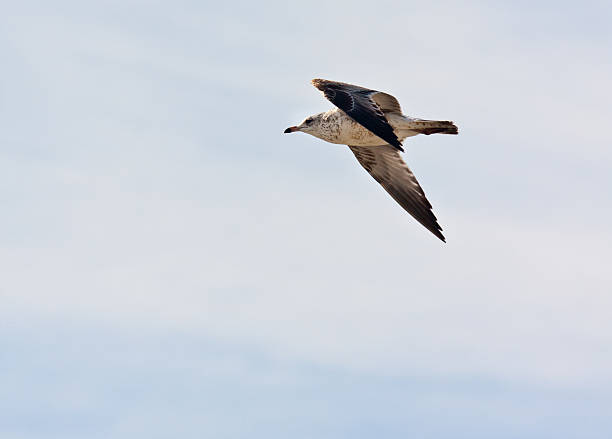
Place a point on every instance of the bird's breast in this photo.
(337, 127)
(353, 133)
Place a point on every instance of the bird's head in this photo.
(309, 125)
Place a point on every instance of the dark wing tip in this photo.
(430, 222)
(439, 234)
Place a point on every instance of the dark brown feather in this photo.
(359, 104)
(387, 167)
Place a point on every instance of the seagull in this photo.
(372, 125)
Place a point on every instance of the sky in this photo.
(173, 265)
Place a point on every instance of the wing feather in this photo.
(387, 167)
(366, 107)
(387, 103)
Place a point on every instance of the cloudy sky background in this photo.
(172, 265)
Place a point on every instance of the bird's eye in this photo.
(309, 120)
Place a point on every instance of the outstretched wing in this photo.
(367, 107)
(387, 167)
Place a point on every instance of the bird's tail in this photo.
(428, 127)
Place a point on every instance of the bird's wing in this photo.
(387, 167)
(386, 102)
(367, 107)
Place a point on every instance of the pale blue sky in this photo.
(174, 266)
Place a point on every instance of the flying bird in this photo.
(371, 123)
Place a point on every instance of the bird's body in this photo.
(371, 123)
(335, 126)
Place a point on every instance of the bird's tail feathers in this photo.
(428, 127)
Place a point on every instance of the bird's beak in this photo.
(291, 130)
